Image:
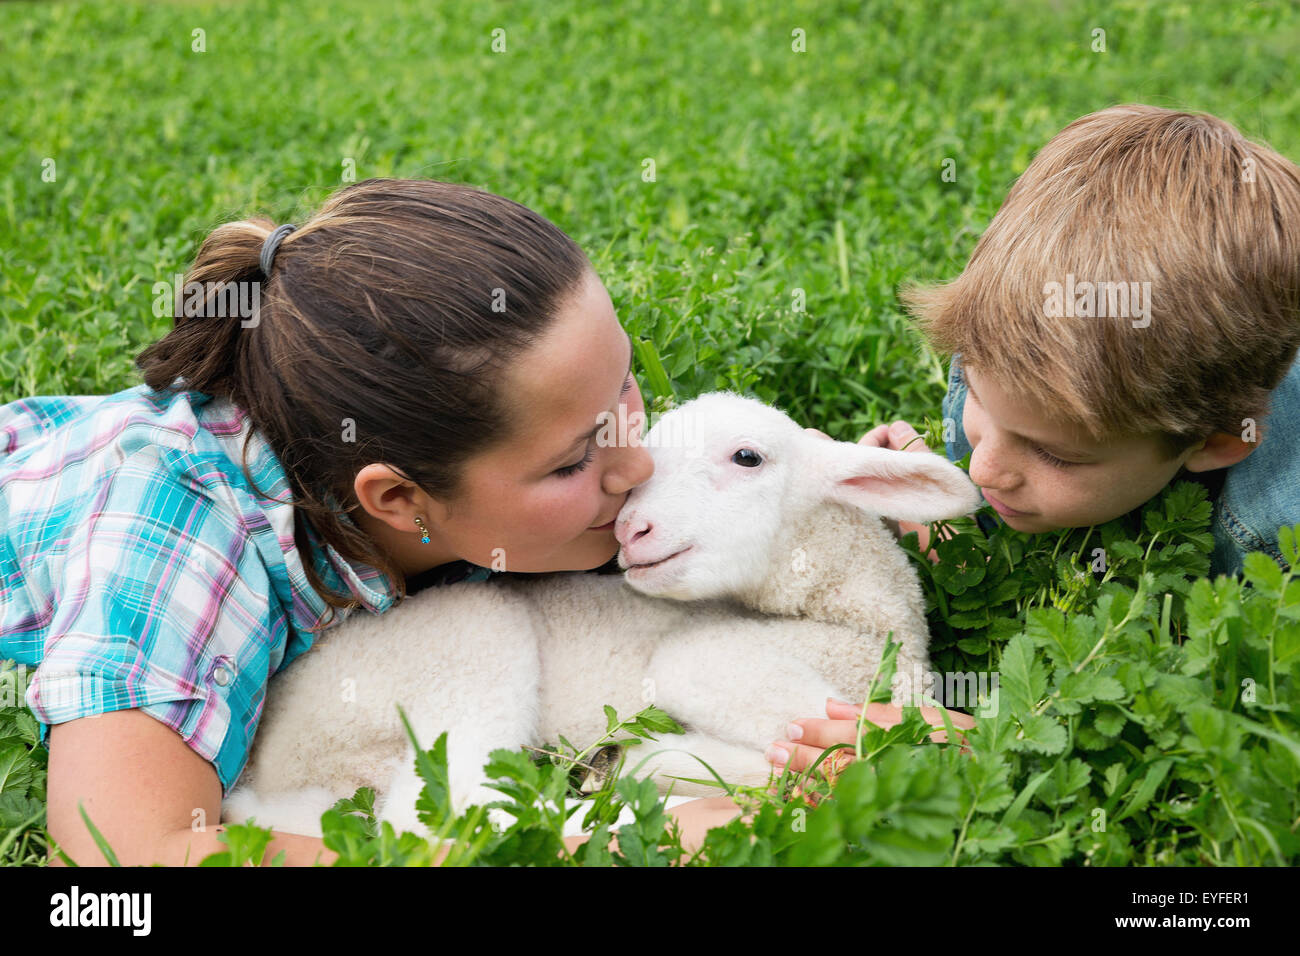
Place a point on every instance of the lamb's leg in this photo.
(298, 811)
(747, 700)
(468, 782)
(501, 717)
(732, 709)
(680, 755)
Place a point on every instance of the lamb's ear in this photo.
(913, 486)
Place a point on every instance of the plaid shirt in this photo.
(138, 569)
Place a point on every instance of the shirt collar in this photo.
(367, 584)
(230, 427)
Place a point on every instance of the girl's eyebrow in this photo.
(1051, 447)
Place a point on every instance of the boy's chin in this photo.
(1037, 524)
(1029, 524)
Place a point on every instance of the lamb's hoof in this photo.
(603, 762)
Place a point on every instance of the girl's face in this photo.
(546, 499)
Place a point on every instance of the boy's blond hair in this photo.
(1134, 194)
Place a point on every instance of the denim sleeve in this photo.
(954, 435)
(955, 445)
(1262, 491)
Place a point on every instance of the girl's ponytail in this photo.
(219, 301)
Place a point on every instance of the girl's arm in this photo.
(143, 786)
(153, 798)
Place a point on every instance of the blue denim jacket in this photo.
(1255, 497)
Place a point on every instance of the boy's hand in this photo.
(896, 436)
(893, 436)
(816, 734)
(899, 436)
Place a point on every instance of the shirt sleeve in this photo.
(955, 445)
(161, 603)
(29, 419)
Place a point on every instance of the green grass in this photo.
(775, 171)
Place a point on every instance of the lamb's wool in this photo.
(797, 610)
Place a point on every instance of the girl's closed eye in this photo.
(578, 466)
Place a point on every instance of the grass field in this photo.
(775, 170)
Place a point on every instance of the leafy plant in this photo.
(766, 258)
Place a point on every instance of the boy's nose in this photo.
(984, 471)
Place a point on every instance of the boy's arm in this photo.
(901, 528)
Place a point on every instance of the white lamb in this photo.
(760, 580)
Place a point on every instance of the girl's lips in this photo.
(604, 527)
(999, 507)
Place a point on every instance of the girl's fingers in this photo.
(798, 756)
(887, 715)
(826, 733)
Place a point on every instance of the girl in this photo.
(400, 391)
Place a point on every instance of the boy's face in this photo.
(1090, 483)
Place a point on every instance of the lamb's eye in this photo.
(747, 457)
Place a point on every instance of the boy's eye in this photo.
(1052, 459)
(576, 467)
(627, 385)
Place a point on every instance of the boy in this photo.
(1130, 317)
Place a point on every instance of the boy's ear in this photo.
(913, 486)
(1220, 450)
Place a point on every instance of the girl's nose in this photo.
(634, 467)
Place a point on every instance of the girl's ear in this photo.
(912, 486)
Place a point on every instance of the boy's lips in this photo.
(999, 507)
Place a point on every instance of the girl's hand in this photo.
(816, 734)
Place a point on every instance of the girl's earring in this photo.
(423, 530)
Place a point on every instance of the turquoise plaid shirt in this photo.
(138, 569)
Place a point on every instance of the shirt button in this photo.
(221, 676)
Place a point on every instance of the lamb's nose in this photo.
(632, 529)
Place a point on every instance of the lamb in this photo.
(759, 579)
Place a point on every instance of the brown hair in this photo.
(385, 308)
(1135, 194)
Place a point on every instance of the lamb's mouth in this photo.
(655, 564)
